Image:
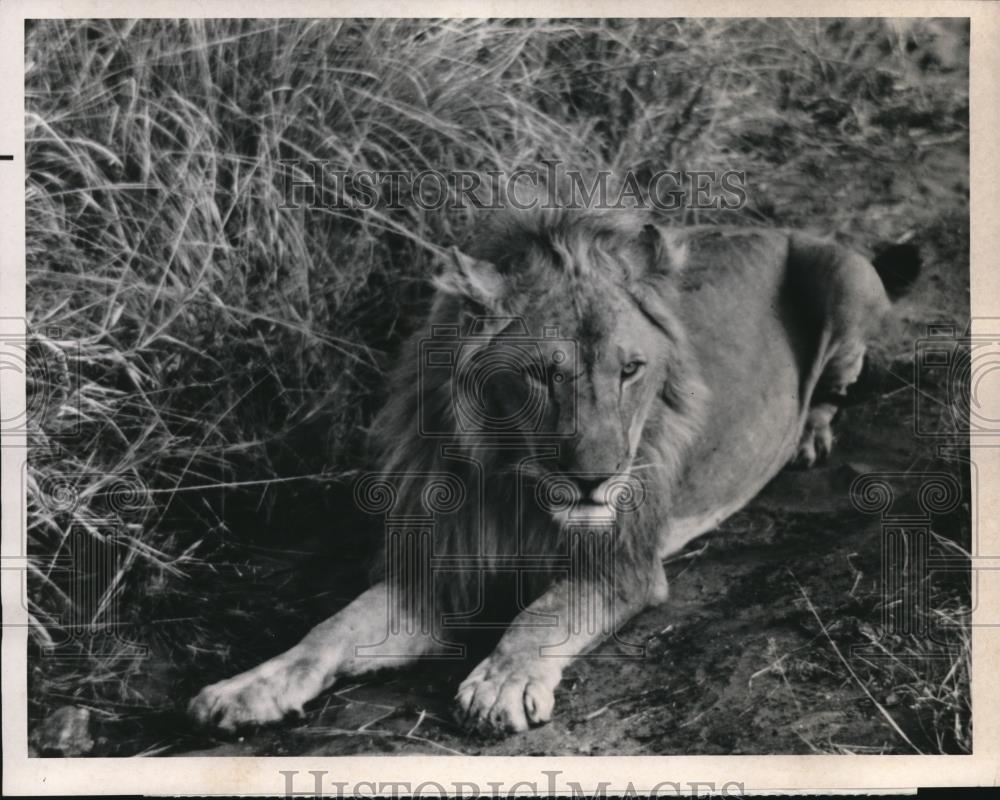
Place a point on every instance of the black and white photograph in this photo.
(463, 386)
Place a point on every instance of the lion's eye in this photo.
(631, 369)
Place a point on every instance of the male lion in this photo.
(598, 390)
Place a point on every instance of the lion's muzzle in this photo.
(591, 498)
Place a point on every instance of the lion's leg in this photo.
(514, 687)
(357, 639)
(841, 370)
(845, 291)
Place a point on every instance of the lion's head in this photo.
(551, 381)
(566, 339)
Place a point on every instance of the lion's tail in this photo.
(898, 266)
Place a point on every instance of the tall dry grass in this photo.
(230, 352)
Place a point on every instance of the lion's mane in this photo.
(525, 247)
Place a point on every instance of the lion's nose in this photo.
(589, 484)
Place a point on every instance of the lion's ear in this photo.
(471, 279)
(666, 250)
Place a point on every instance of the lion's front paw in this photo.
(264, 694)
(505, 696)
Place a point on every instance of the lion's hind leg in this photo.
(842, 370)
(847, 295)
(816, 442)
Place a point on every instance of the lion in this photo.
(591, 391)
